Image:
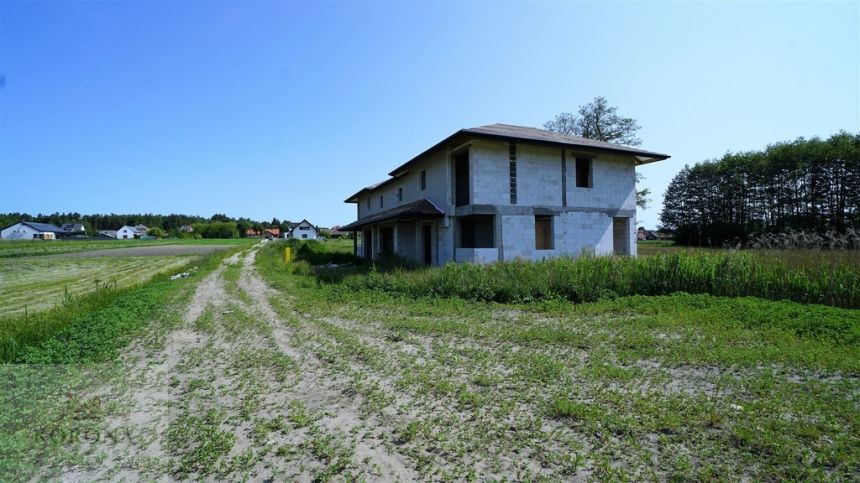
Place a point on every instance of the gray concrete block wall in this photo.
(436, 191)
(490, 172)
(538, 175)
(517, 237)
(613, 183)
(445, 239)
(584, 232)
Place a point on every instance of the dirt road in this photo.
(226, 392)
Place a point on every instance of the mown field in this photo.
(33, 284)
(31, 248)
(55, 279)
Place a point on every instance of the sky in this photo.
(280, 109)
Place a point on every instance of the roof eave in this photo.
(584, 147)
(643, 157)
(404, 168)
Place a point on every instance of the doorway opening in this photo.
(621, 236)
(427, 243)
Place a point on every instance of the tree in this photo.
(599, 121)
(642, 198)
(806, 185)
(156, 232)
(243, 226)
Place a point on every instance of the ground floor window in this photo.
(477, 231)
(543, 233)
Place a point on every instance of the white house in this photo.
(27, 230)
(127, 233)
(302, 230)
(503, 192)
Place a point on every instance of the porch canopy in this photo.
(417, 210)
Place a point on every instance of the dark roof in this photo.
(293, 226)
(354, 198)
(73, 227)
(520, 133)
(48, 227)
(417, 209)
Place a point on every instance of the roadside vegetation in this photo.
(87, 303)
(54, 364)
(668, 386)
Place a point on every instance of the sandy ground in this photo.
(164, 389)
(149, 251)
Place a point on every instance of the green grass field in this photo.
(31, 248)
(30, 285)
(798, 258)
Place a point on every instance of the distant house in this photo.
(75, 228)
(302, 230)
(272, 233)
(334, 232)
(29, 230)
(643, 234)
(252, 233)
(106, 235)
(141, 229)
(127, 233)
(186, 229)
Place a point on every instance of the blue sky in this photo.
(265, 109)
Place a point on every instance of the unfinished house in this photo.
(503, 192)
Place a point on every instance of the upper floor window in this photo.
(400, 194)
(422, 180)
(368, 202)
(461, 179)
(381, 203)
(583, 173)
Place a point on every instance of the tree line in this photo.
(217, 226)
(806, 185)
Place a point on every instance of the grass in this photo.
(89, 327)
(49, 395)
(591, 279)
(32, 248)
(31, 285)
(809, 259)
(678, 386)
